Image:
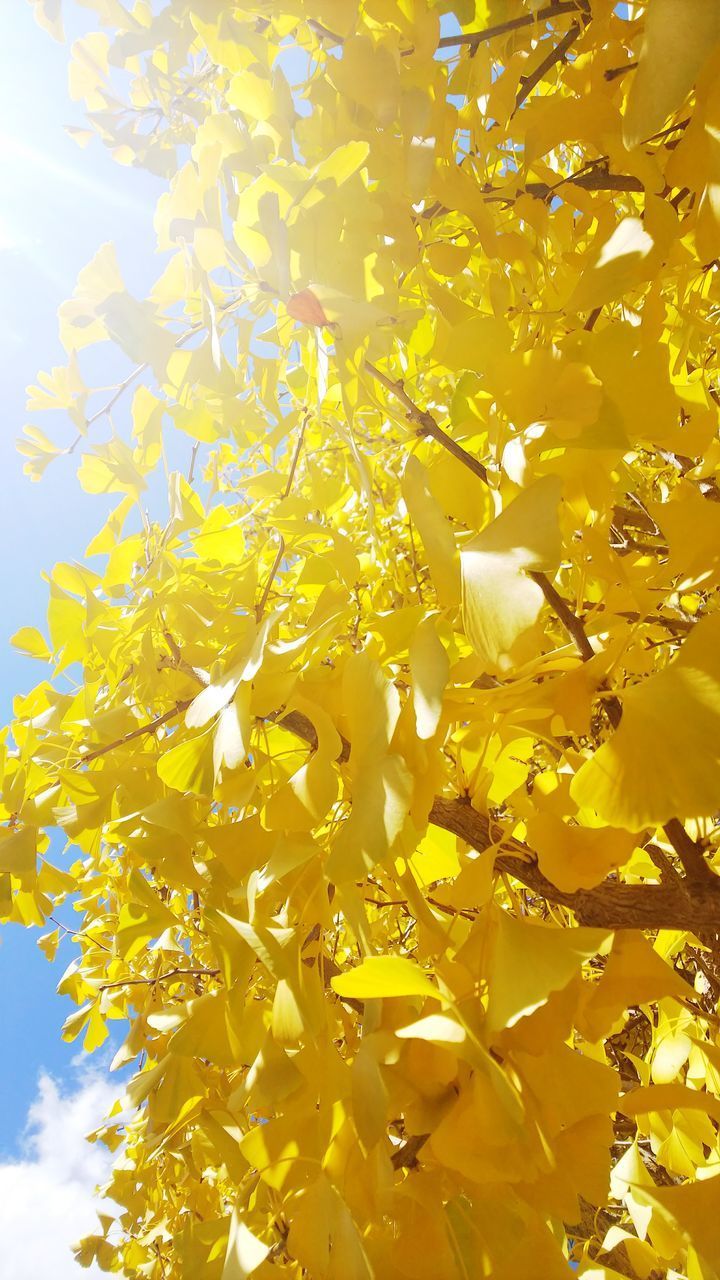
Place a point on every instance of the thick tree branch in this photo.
(693, 903)
(675, 904)
(611, 905)
(596, 179)
(691, 856)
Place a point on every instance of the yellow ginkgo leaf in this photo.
(429, 667)
(378, 977)
(288, 1024)
(499, 601)
(245, 1252)
(574, 857)
(529, 961)
(30, 641)
(231, 741)
(189, 766)
(18, 850)
(679, 36)
(693, 1210)
(664, 759)
(438, 1028)
(49, 15)
(305, 798)
(616, 264)
(435, 531)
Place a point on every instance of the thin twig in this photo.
(431, 428)
(128, 381)
(474, 38)
(557, 54)
(324, 32)
(426, 422)
(613, 73)
(119, 390)
(260, 608)
(140, 732)
(161, 977)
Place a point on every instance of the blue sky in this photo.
(58, 203)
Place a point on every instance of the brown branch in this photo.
(425, 421)
(324, 32)
(561, 608)
(140, 732)
(696, 869)
(594, 180)
(556, 54)
(690, 904)
(675, 904)
(405, 1156)
(329, 969)
(295, 722)
(613, 73)
(610, 905)
(693, 903)
(430, 427)
(260, 608)
(161, 977)
(474, 38)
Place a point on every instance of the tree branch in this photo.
(430, 427)
(556, 54)
(696, 869)
(140, 732)
(426, 422)
(692, 904)
(161, 977)
(570, 621)
(675, 904)
(597, 179)
(611, 905)
(474, 38)
(260, 608)
(405, 1156)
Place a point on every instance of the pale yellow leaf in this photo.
(245, 1252)
(378, 977)
(429, 667)
(435, 532)
(499, 601)
(664, 759)
(189, 766)
(679, 36)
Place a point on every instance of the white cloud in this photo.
(47, 1197)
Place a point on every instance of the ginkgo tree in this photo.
(381, 723)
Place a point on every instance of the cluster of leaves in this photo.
(383, 722)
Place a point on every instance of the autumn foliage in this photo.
(382, 722)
